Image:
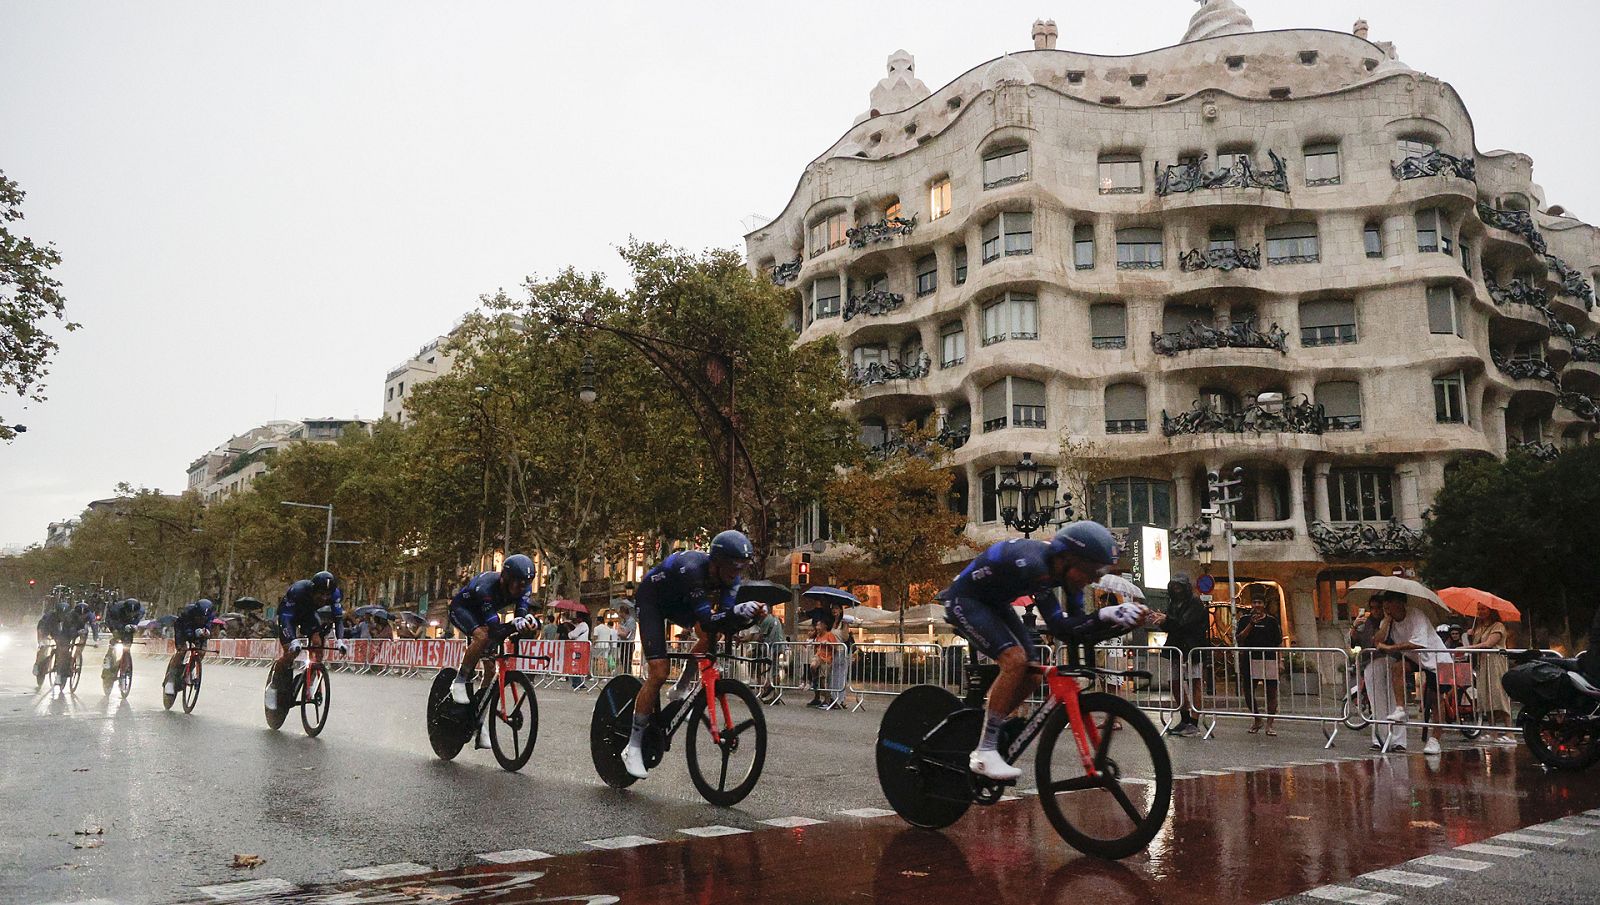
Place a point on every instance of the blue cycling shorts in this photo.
(991, 629)
(468, 619)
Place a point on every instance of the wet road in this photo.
(179, 795)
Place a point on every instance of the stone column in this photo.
(974, 494)
(1184, 510)
(1408, 478)
(1297, 498)
(1319, 489)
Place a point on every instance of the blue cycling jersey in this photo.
(1018, 568)
(191, 619)
(299, 606)
(485, 596)
(682, 587)
(124, 612)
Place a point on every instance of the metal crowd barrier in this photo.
(819, 667)
(1304, 684)
(885, 669)
(1456, 690)
(1163, 693)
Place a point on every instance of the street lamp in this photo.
(1224, 495)
(1019, 494)
(586, 392)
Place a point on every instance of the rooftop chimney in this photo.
(1360, 29)
(1044, 34)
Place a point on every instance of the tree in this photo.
(894, 510)
(1083, 465)
(29, 296)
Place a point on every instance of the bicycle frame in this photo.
(507, 651)
(706, 664)
(1064, 692)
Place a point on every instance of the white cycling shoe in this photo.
(458, 692)
(633, 762)
(484, 739)
(171, 688)
(990, 764)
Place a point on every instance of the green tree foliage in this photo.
(29, 296)
(1526, 531)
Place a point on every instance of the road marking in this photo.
(1583, 821)
(1484, 848)
(1352, 896)
(387, 871)
(622, 842)
(1185, 776)
(84, 902)
(1406, 878)
(1450, 863)
(793, 822)
(1530, 839)
(1210, 773)
(512, 856)
(228, 892)
(1563, 830)
(715, 829)
(866, 812)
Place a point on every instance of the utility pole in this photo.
(327, 538)
(1224, 496)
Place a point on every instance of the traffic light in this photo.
(31, 582)
(799, 568)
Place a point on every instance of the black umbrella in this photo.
(767, 592)
(248, 603)
(372, 610)
(413, 617)
(166, 621)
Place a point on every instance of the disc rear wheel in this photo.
(1117, 809)
(445, 728)
(610, 727)
(923, 772)
(726, 769)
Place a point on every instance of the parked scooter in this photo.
(1560, 717)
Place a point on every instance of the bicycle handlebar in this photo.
(715, 656)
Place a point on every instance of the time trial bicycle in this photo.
(307, 688)
(508, 705)
(188, 684)
(119, 676)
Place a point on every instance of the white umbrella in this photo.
(1120, 586)
(1416, 592)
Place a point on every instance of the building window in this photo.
(825, 297)
(1466, 257)
(1327, 322)
(1139, 249)
(1229, 158)
(1222, 238)
(1013, 401)
(873, 434)
(1444, 314)
(1127, 502)
(1322, 165)
(1126, 411)
(1108, 326)
(829, 232)
(1341, 404)
(1332, 586)
(402, 388)
(958, 265)
(391, 394)
(927, 274)
(1431, 234)
(939, 199)
(952, 345)
(1015, 228)
(1450, 399)
(1292, 243)
(1014, 316)
(1372, 239)
(991, 499)
(1083, 246)
(892, 211)
(1176, 317)
(1121, 174)
(1235, 63)
(1415, 146)
(1005, 167)
(1360, 495)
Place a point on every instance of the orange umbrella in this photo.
(1466, 601)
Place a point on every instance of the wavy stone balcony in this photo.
(1434, 163)
(1526, 369)
(881, 231)
(1297, 415)
(785, 273)
(1222, 259)
(872, 303)
(1366, 541)
(1524, 293)
(1544, 452)
(1582, 405)
(1240, 335)
(876, 373)
(1182, 178)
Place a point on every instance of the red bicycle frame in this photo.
(1065, 689)
(708, 678)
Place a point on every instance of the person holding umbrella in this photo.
(1406, 634)
(1490, 633)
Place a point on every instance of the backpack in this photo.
(1538, 682)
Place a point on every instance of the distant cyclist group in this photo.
(936, 755)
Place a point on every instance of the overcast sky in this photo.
(264, 207)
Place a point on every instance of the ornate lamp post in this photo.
(1028, 501)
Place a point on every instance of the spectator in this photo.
(768, 631)
(563, 630)
(627, 628)
(1411, 638)
(1364, 637)
(1490, 634)
(823, 648)
(549, 631)
(578, 632)
(1261, 629)
(1186, 624)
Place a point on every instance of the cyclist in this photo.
(49, 627)
(297, 615)
(85, 620)
(190, 629)
(475, 612)
(979, 601)
(122, 618)
(689, 588)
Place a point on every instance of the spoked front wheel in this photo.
(125, 674)
(77, 672)
(319, 696)
(1117, 809)
(726, 769)
(191, 686)
(923, 772)
(610, 727)
(513, 722)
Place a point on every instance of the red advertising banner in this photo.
(566, 658)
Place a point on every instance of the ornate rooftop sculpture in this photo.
(1218, 17)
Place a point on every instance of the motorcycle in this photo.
(1560, 716)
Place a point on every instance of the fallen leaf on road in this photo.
(250, 861)
(913, 873)
(424, 894)
(1425, 824)
(1298, 817)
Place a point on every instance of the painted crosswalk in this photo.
(387, 871)
(514, 856)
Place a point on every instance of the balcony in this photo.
(1580, 404)
(1434, 163)
(1518, 223)
(1366, 541)
(1182, 178)
(876, 373)
(1127, 426)
(1240, 335)
(1297, 415)
(873, 303)
(786, 273)
(953, 438)
(1586, 348)
(1526, 368)
(882, 231)
(1519, 292)
(1544, 452)
(1573, 285)
(1223, 259)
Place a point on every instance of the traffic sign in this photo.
(1205, 584)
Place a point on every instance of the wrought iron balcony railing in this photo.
(1586, 348)
(785, 273)
(1297, 415)
(1544, 452)
(1366, 541)
(1526, 368)
(1127, 425)
(876, 373)
(1517, 292)
(1521, 224)
(1178, 178)
(954, 437)
(1223, 259)
(1109, 342)
(1572, 282)
(1434, 163)
(882, 231)
(1580, 404)
(1238, 335)
(873, 303)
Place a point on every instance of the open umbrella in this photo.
(246, 604)
(372, 609)
(1415, 592)
(408, 616)
(1120, 586)
(167, 620)
(1466, 601)
(871, 615)
(767, 592)
(824, 594)
(571, 605)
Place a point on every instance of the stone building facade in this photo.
(1280, 251)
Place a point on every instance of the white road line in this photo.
(1184, 776)
(1352, 896)
(715, 829)
(84, 902)
(387, 871)
(1529, 839)
(1580, 820)
(512, 856)
(1406, 878)
(622, 842)
(1484, 848)
(793, 822)
(1563, 830)
(1210, 773)
(245, 889)
(867, 812)
(1449, 863)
